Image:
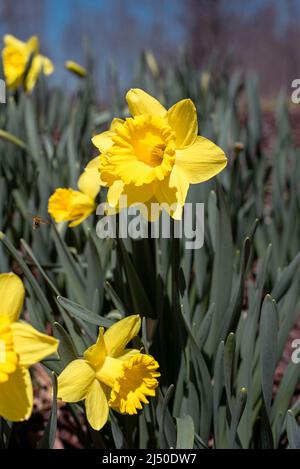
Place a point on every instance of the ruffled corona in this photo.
(110, 375)
(138, 379)
(143, 151)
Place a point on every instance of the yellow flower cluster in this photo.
(152, 156)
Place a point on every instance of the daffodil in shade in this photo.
(111, 375)
(156, 154)
(22, 62)
(75, 206)
(20, 347)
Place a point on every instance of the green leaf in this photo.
(293, 431)
(185, 432)
(269, 324)
(48, 438)
(66, 349)
(237, 415)
(140, 300)
(167, 431)
(229, 352)
(72, 271)
(78, 311)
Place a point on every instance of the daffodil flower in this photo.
(20, 347)
(110, 375)
(156, 154)
(76, 206)
(17, 56)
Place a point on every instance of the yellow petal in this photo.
(33, 73)
(131, 194)
(16, 396)
(182, 117)
(33, 44)
(201, 161)
(128, 353)
(14, 64)
(139, 194)
(96, 406)
(180, 182)
(172, 192)
(47, 65)
(151, 209)
(39, 64)
(32, 346)
(103, 141)
(10, 40)
(114, 193)
(128, 168)
(94, 164)
(96, 354)
(116, 122)
(77, 221)
(89, 183)
(12, 294)
(119, 334)
(75, 381)
(141, 103)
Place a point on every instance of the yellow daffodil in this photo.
(156, 154)
(76, 206)
(17, 56)
(75, 68)
(20, 347)
(111, 375)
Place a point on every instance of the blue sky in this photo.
(117, 29)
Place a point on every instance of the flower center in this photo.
(148, 138)
(143, 152)
(8, 357)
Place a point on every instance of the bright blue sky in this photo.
(61, 24)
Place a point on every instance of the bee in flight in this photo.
(37, 221)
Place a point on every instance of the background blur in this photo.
(256, 35)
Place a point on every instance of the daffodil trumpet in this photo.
(20, 347)
(110, 375)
